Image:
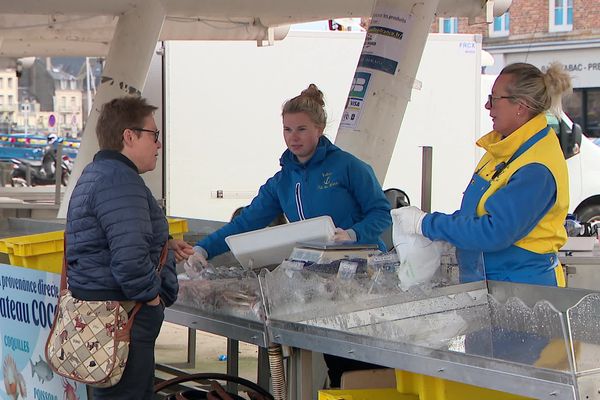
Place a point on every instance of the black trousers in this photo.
(338, 365)
(138, 378)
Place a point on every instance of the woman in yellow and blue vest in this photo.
(514, 208)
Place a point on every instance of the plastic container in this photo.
(411, 386)
(44, 251)
(177, 227)
(365, 394)
(272, 245)
(430, 388)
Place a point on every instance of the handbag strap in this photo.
(161, 262)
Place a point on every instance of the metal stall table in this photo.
(225, 307)
(233, 328)
(582, 267)
(499, 340)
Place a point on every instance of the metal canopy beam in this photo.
(86, 27)
(125, 73)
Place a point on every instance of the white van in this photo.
(220, 116)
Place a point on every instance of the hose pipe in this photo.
(277, 372)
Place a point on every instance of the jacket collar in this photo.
(115, 155)
(500, 147)
(323, 147)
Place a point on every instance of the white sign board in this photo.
(27, 307)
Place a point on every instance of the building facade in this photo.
(50, 100)
(541, 32)
(9, 98)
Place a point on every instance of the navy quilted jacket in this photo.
(115, 233)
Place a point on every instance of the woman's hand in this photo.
(181, 249)
(341, 235)
(195, 263)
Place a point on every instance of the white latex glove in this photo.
(408, 220)
(196, 262)
(341, 235)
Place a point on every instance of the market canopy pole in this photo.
(387, 68)
(383, 80)
(127, 66)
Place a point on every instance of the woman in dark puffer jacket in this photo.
(115, 233)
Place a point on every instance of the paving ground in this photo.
(171, 348)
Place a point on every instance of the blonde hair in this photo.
(311, 102)
(537, 90)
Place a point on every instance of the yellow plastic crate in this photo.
(3, 246)
(177, 227)
(365, 394)
(44, 251)
(430, 388)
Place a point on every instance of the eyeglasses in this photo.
(156, 132)
(492, 98)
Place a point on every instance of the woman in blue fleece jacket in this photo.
(316, 178)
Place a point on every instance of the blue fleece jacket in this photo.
(513, 211)
(333, 182)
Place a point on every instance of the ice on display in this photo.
(227, 290)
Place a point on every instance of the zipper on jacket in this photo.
(299, 202)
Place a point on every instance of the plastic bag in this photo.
(419, 257)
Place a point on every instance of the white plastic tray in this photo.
(272, 245)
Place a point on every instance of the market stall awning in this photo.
(86, 27)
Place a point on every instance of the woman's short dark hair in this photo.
(116, 116)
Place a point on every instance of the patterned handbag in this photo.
(89, 340)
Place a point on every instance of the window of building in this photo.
(1, 83)
(73, 84)
(1, 100)
(10, 100)
(501, 25)
(561, 15)
(73, 102)
(583, 107)
(448, 25)
(63, 103)
(9, 83)
(63, 84)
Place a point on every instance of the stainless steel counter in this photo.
(245, 330)
(535, 341)
(582, 270)
(233, 328)
(469, 344)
